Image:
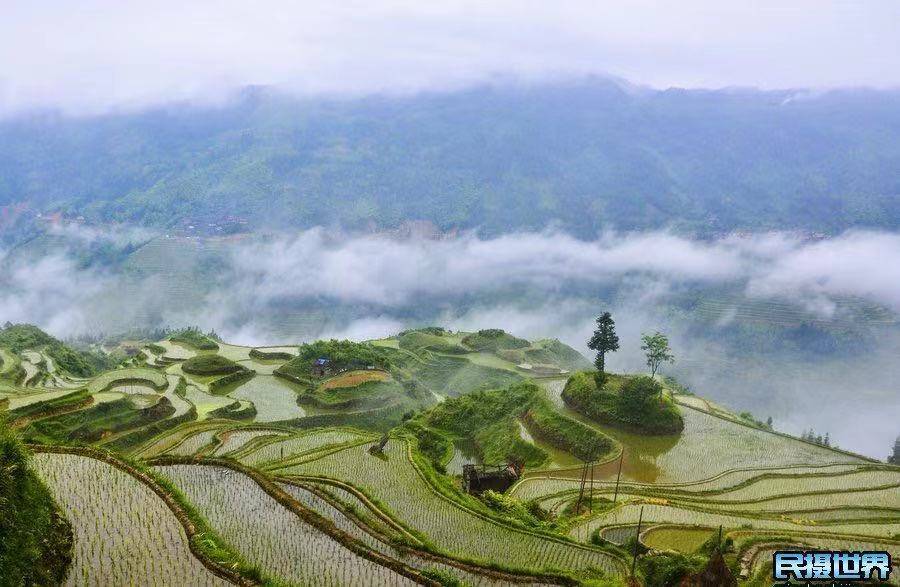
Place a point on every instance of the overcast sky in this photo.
(93, 55)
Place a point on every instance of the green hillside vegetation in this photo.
(456, 375)
(493, 340)
(419, 340)
(94, 423)
(35, 540)
(210, 365)
(341, 354)
(587, 154)
(490, 420)
(194, 338)
(369, 393)
(21, 337)
(547, 352)
(635, 403)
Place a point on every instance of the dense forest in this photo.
(582, 156)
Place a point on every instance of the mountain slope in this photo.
(582, 155)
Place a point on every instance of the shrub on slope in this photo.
(493, 340)
(636, 403)
(194, 338)
(35, 541)
(210, 365)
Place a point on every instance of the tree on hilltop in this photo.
(657, 350)
(604, 340)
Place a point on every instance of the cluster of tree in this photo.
(811, 436)
(894, 459)
(343, 354)
(605, 340)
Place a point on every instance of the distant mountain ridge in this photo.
(581, 156)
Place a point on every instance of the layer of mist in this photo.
(801, 330)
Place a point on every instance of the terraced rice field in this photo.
(354, 378)
(397, 484)
(124, 533)
(155, 378)
(686, 540)
(708, 446)
(672, 514)
(274, 398)
(238, 439)
(319, 505)
(266, 533)
(193, 443)
(176, 351)
(205, 402)
(296, 445)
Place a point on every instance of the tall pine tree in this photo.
(604, 340)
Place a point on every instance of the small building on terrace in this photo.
(479, 478)
(321, 367)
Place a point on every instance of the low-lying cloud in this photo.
(273, 290)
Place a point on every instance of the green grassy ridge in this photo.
(234, 411)
(192, 337)
(493, 340)
(379, 419)
(70, 400)
(636, 403)
(418, 340)
(210, 364)
(130, 440)
(224, 385)
(586, 443)
(36, 541)
(91, 424)
(489, 419)
(263, 355)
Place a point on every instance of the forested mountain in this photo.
(582, 156)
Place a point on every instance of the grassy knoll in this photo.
(196, 339)
(35, 540)
(453, 376)
(635, 403)
(494, 340)
(431, 340)
(210, 365)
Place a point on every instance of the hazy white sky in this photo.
(93, 55)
